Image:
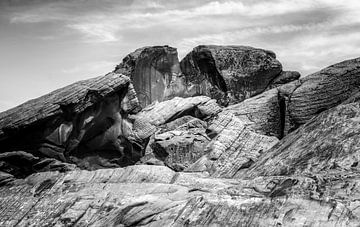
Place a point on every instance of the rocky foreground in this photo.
(223, 137)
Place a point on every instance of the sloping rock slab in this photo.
(324, 89)
(233, 149)
(229, 74)
(330, 141)
(157, 196)
(263, 114)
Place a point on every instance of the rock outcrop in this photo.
(327, 142)
(155, 73)
(323, 90)
(158, 196)
(74, 123)
(283, 152)
(229, 74)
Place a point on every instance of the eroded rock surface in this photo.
(229, 74)
(155, 73)
(158, 196)
(324, 89)
(327, 142)
(233, 149)
(81, 120)
(262, 114)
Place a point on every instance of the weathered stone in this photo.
(177, 144)
(154, 72)
(233, 149)
(184, 123)
(327, 142)
(324, 89)
(84, 117)
(229, 74)
(167, 111)
(178, 149)
(263, 114)
(157, 196)
(283, 78)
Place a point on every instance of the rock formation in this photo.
(82, 122)
(154, 71)
(283, 152)
(229, 74)
(157, 196)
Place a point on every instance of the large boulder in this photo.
(87, 118)
(229, 74)
(326, 143)
(178, 144)
(154, 71)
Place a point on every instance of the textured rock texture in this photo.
(229, 74)
(167, 111)
(262, 114)
(84, 120)
(180, 143)
(157, 196)
(324, 89)
(327, 142)
(233, 148)
(155, 73)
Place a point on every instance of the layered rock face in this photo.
(324, 89)
(155, 73)
(283, 152)
(82, 123)
(229, 74)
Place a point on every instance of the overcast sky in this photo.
(47, 44)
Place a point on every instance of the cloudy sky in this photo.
(46, 44)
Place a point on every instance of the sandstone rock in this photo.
(233, 149)
(155, 73)
(87, 116)
(157, 196)
(229, 74)
(324, 89)
(180, 148)
(263, 114)
(167, 111)
(327, 142)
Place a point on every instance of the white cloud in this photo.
(96, 68)
(97, 32)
